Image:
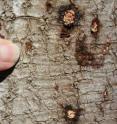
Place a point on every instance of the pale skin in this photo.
(9, 54)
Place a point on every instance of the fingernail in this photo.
(16, 52)
(9, 53)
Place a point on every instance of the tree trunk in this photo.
(48, 74)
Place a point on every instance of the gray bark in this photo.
(29, 94)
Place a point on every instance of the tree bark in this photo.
(48, 73)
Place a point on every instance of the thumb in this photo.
(9, 54)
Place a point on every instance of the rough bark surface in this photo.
(47, 73)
